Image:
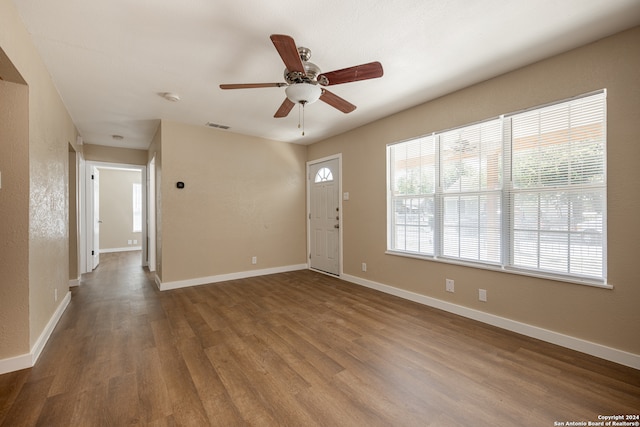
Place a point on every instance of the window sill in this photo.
(511, 270)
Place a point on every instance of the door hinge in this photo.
(92, 177)
(309, 255)
(309, 215)
(93, 252)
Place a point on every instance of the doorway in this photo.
(325, 215)
(94, 223)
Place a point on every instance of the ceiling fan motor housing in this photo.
(311, 72)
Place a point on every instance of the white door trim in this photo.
(340, 221)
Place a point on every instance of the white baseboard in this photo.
(74, 282)
(125, 249)
(24, 361)
(598, 350)
(224, 277)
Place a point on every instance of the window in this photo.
(559, 188)
(137, 208)
(524, 192)
(323, 175)
(470, 195)
(413, 187)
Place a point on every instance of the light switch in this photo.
(345, 195)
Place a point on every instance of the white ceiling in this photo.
(110, 60)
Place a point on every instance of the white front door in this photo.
(324, 216)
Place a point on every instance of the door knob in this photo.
(336, 226)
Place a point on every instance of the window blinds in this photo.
(525, 192)
(558, 195)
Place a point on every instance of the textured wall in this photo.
(155, 153)
(243, 197)
(14, 215)
(105, 154)
(607, 317)
(74, 242)
(51, 131)
(116, 208)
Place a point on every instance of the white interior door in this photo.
(324, 216)
(95, 249)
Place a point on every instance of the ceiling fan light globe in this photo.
(303, 93)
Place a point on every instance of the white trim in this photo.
(125, 249)
(74, 282)
(224, 277)
(44, 336)
(16, 363)
(594, 349)
(28, 360)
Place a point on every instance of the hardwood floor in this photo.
(294, 349)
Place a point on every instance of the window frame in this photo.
(506, 195)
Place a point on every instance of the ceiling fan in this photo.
(304, 82)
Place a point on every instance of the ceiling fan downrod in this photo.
(301, 105)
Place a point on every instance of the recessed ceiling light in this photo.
(117, 137)
(173, 97)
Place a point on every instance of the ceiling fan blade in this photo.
(372, 70)
(284, 109)
(286, 47)
(250, 85)
(336, 102)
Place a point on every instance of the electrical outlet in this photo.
(135, 242)
(449, 285)
(254, 260)
(482, 295)
(364, 266)
(129, 242)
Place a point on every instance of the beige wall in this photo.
(50, 133)
(116, 208)
(607, 317)
(74, 209)
(155, 154)
(101, 153)
(243, 197)
(14, 212)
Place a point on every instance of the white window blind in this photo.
(412, 181)
(559, 187)
(524, 192)
(471, 183)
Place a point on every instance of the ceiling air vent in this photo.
(216, 125)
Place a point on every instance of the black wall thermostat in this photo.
(180, 184)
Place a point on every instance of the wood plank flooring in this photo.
(294, 349)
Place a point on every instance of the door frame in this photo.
(151, 214)
(340, 221)
(88, 214)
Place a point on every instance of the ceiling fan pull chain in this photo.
(303, 119)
